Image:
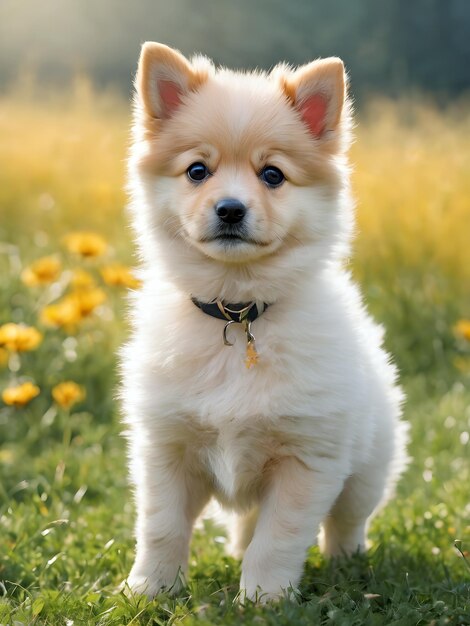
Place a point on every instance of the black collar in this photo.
(239, 312)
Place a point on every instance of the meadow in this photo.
(66, 254)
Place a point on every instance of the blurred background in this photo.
(388, 46)
(67, 259)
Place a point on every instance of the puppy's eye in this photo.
(197, 172)
(272, 176)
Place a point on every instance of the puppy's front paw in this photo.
(153, 583)
(265, 587)
(266, 578)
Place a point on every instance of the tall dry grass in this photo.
(412, 183)
(62, 165)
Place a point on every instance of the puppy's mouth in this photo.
(233, 240)
(232, 237)
(230, 243)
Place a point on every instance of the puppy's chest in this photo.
(215, 382)
(238, 459)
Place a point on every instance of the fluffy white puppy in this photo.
(242, 211)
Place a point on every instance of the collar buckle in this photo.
(240, 313)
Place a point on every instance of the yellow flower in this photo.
(41, 271)
(86, 244)
(73, 307)
(64, 313)
(82, 279)
(68, 393)
(87, 300)
(462, 328)
(20, 395)
(119, 275)
(19, 338)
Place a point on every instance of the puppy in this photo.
(254, 374)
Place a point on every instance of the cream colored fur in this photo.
(312, 434)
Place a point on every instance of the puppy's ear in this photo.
(164, 77)
(318, 92)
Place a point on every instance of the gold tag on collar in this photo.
(252, 356)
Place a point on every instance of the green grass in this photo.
(66, 511)
(66, 534)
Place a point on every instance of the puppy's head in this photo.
(239, 166)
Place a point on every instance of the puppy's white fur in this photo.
(310, 435)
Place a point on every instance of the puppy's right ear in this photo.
(164, 77)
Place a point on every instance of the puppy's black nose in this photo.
(230, 210)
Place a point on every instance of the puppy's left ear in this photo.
(318, 92)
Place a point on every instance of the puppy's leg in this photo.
(296, 500)
(169, 498)
(345, 528)
(242, 529)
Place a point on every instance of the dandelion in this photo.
(462, 328)
(19, 337)
(68, 393)
(42, 271)
(82, 279)
(20, 395)
(120, 276)
(86, 244)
